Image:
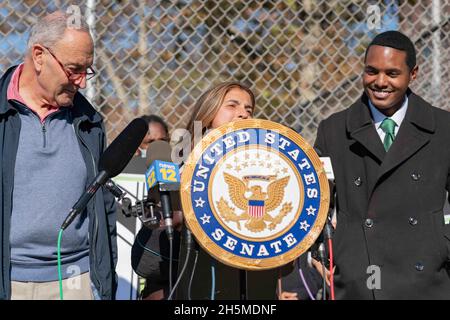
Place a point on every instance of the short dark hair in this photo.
(396, 40)
(155, 119)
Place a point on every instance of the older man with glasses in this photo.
(50, 141)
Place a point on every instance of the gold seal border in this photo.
(210, 246)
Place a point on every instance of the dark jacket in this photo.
(90, 132)
(292, 281)
(390, 220)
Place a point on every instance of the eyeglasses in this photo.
(71, 75)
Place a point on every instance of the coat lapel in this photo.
(362, 130)
(413, 134)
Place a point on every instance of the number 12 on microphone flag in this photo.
(162, 172)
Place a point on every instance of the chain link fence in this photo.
(302, 58)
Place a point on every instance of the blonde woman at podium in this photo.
(219, 105)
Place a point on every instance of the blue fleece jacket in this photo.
(49, 176)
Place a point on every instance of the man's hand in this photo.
(288, 296)
(177, 221)
(318, 266)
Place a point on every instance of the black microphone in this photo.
(112, 162)
(115, 190)
(164, 180)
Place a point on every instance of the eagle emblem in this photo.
(255, 203)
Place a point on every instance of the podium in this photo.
(257, 186)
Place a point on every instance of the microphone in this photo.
(327, 166)
(327, 232)
(163, 181)
(326, 162)
(328, 229)
(112, 162)
(114, 189)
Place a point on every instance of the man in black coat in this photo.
(391, 158)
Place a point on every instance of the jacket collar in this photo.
(84, 111)
(81, 111)
(419, 118)
(415, 132)
(4, 82)
(418, 113)
(360, 127)
(359, 114)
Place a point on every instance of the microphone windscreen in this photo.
(121, 150)
(158, 150)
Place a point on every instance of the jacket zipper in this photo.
(94, 236)
(44, 130)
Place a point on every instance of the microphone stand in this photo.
(168, 218)
(242, 284)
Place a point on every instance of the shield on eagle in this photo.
(256, 209)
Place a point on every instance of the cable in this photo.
(330, 249)
(152, 251)
(279, 284)
(192, 275)
(328, 235)
(61, 295)
(324, 275)
(128, 192)
(181, 275)
(305, 284)
(324, 283)
(304, 281)
(213, 280)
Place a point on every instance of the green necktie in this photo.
(388, 126)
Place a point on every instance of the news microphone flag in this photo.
(162, 172)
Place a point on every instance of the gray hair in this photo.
(50, 29)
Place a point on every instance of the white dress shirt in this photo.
(378, 117)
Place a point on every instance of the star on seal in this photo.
(205, 218)
(311, 211)
(304, 225)
(199, 202)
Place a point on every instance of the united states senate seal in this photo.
(254, 194)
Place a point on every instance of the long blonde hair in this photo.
(207, 106)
